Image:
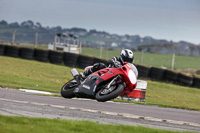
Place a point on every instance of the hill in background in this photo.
(25, 33)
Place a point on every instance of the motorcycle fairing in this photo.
(88, 87)
(109, 73)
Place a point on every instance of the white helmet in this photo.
(127, 55)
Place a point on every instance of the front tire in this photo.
(67, 91)
(105, 97)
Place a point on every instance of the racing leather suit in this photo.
(113, 62)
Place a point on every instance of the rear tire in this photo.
(67, 91)
(115, 93)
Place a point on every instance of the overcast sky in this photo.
(162, 19)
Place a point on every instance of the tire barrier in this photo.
(84, 61)
(156, 73)
(171, 76)
(55, 57)
(185, 79)
(81, 61)
(2, 49)
(196, 82)
(12, 51)
(70, 59)
(27, 53)
(41, 55)
(143, 71)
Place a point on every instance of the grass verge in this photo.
(14, 124)
(19, 73)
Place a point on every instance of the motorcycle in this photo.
(102, 85)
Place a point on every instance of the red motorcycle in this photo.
(102, 85)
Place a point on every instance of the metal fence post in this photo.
(173, 60)
(13, 37)
(55, 42)
(100, 50)
(36, 39)
(141, 57)
(80, 50)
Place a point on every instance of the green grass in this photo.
(20, 73)
(13, 124)
(39, 46)
(150, 59)
(170, 95)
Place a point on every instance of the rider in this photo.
(126, 55)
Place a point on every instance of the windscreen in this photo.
(134, 69)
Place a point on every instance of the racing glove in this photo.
(117, 64)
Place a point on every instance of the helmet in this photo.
(127, 55)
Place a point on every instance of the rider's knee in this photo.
(98, 66)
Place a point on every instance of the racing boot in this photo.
(76, 75)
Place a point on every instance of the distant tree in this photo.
(14, 25)
(38, 25)
(59, 29)
(3, 22)
(27, 24)
(137, 39)
(127, 36)
(93, 31)
(30, 23)
(78, 29)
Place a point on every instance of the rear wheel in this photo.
(67, 91)
(106, 94)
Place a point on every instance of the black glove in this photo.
(117, 64)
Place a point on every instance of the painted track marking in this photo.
(108, 113)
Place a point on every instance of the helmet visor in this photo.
(129, 60)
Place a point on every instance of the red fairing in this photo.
(126, 72)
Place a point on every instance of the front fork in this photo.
(114, 81)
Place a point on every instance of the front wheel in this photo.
(67, 91)
(108, 94)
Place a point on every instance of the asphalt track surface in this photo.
(18, 103)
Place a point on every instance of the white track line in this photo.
(39, 92)
(109, 113)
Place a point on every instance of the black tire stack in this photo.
(143, 71)
(42, 55)
(27, 53)
(185, 79)
(156, 73)
(12, 51)
(84, 61)
(2, 49)
(70, 59)
(56, 57)
(171, 76)
(196, 82)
